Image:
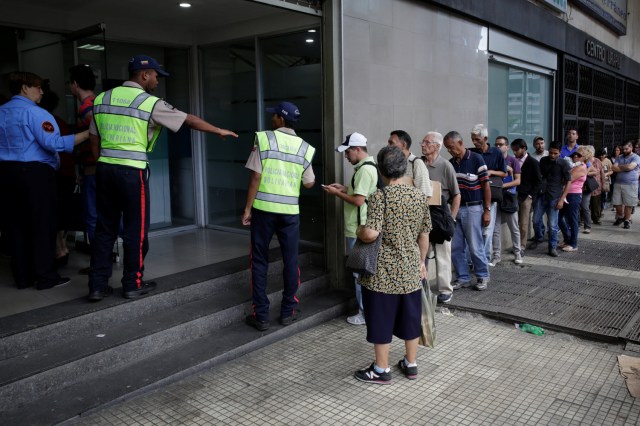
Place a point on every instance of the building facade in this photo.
(525, 68)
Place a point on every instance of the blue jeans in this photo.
(487, 233)
(569, 219)
(469, 233)
(548, 207)
(350, 243)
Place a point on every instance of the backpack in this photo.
(380, 184)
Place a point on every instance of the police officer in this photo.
(127, 121)
(29, 144)
(280, 160)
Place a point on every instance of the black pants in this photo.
(29, 217)
(121, 191)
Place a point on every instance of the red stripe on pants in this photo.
(142, 230)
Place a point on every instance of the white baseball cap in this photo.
(354, 139)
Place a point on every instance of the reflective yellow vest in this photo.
(284, 159)
(122, 119)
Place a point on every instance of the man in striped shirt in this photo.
(474, 214)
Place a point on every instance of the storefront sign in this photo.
(602, 53)
(559, 5)
(612, 12)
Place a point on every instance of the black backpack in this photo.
(442, 223)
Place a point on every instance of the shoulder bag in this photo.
(590, 185)
(363, 258)
(495, 184)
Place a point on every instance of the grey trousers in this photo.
(511, 220)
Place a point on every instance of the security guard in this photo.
(29, 144)
(279, 161)
(127, 121)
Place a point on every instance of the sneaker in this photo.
(494, 261)
(562, 245)
(444, 297)
(569, 249)
(618, 221)
(518, 259)
(482, 284)
(587, 230)
(627, 224)
(256, 323)
(410, 373)
(357, 319)
(553, 253)
(146, 287)
(457, 284)
(369, 375)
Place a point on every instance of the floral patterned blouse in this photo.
(407, 216)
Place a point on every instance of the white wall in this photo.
(408, 66)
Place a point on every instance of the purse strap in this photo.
(384, 193)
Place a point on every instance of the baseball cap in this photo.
(286, 110)
(144, 62)
(354, 139)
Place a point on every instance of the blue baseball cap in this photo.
(144, 62)
(286, 110)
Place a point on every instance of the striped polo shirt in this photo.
(471, 171)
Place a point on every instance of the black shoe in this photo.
(98, 295)
(410, 373)
(147, 287)
(84, 271)
(533, 245)
(553, 253)
(369, 375)
(627, 224)
(255, 323)
(61, 281)
(618, 221)
(288, 320)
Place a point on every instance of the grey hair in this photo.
(436, 137)
(391, 162)
(480, 130)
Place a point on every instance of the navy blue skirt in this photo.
(389, 315)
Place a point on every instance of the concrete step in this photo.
(29, 331)
(132, 378)
(50, 353)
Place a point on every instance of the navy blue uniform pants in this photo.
(287, 229)
(29, 215)
(121, 191)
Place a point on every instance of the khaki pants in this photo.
(524, 218)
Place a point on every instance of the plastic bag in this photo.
(428, 320)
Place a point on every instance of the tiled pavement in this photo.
(481, 372)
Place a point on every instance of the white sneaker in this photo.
(357, 319)
(494, 261)
(518, 259)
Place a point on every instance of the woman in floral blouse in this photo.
(392, 297)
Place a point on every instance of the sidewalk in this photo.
(481, 372)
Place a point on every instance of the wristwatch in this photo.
(488, 208)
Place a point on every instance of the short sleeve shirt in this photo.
(254, 163)
(566, 152)
(407, 216)
(630, 177)
(493, 159)
(442, 171)
(471, 171)
(417, 171)
(163, 114)
(364, 183)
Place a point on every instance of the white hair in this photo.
(480, 130)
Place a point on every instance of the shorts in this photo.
(625, 195)
(389, 315)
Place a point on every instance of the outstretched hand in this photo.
(224, 132)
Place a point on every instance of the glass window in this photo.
(520, 103)
(291, 70)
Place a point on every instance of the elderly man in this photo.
(625, 191)
(473, 215)
(496, 171)
(442, 174)
(416, 172)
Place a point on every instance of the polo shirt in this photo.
(442, 171)
(566, 152)
(493, 158)
(471, 171)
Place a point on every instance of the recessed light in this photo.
(309, 40)
(311, 31)
(185, 5)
